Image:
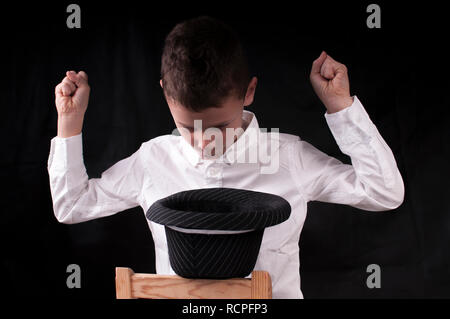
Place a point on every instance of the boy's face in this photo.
(214, 120)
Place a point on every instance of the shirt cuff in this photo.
(66, 152)
(350, 125)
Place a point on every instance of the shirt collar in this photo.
(233, 153)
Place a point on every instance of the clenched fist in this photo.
(72, 94)
(71, 98)
(329, 80)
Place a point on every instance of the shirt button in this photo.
(213, 171)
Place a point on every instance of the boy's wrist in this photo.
(339, 105)
(69, 124)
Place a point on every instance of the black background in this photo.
(399, 72)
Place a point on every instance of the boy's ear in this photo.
(250, 95)
(160, 82)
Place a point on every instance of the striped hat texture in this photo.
(216, 233)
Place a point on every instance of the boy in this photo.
(204, 76)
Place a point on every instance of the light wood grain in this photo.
(123, 283)
(261, 285)
(153, 286)
(168, 287)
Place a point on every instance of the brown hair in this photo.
(203, 63)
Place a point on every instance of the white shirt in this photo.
(168, 164)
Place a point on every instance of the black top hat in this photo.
(216, 232)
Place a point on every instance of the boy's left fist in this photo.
(329, 80)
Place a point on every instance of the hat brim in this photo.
(220, 209)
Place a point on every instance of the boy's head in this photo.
(205, 76)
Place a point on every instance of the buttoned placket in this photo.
(214, 174)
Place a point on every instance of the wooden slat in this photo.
(261, 285)
(123, 283)
(175, 287)
(130, 285)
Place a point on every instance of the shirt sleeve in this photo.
(76, 198)
(373, 181)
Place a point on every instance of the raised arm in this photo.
(76, 198)
(373, 181)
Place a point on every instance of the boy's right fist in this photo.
(72, 94)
